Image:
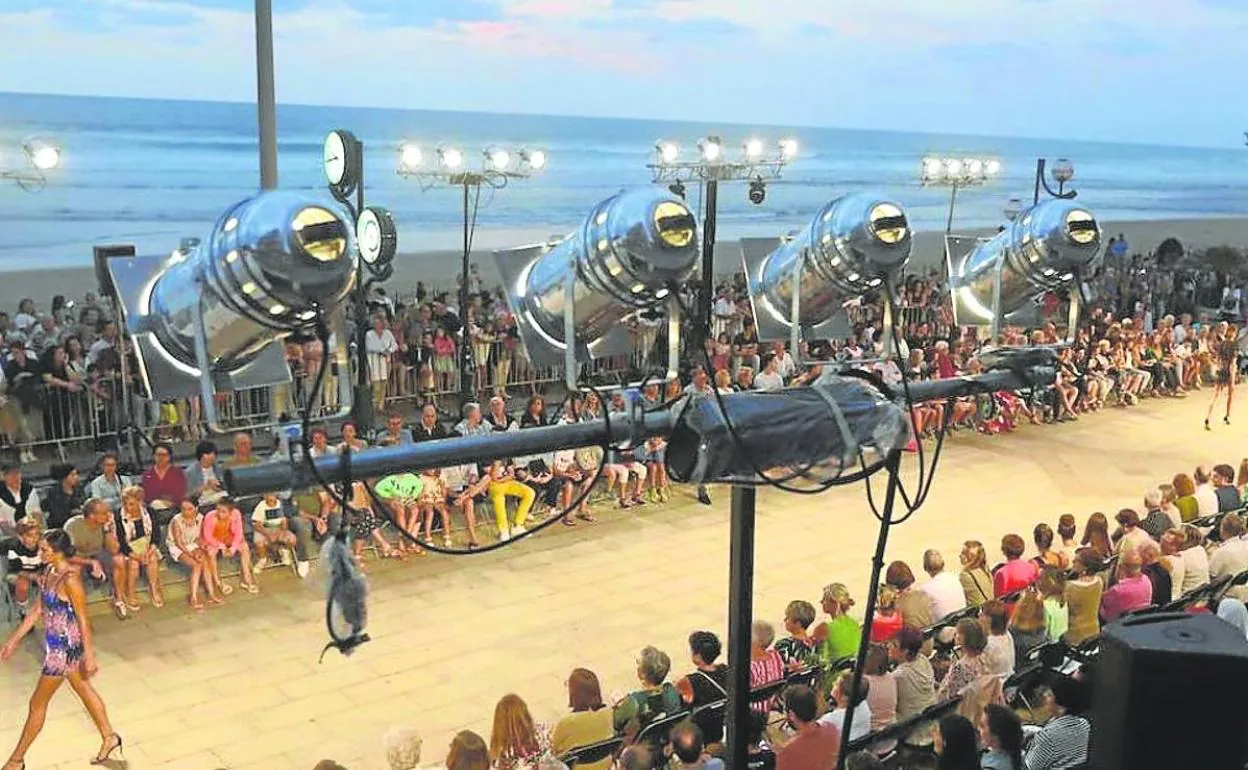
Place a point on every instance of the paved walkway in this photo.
(239, 687)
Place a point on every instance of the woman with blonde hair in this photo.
(138, 550)
(838, 638)
(468, 752)
(1027, 626)
(975, 580)
(515, 741)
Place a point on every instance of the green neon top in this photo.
(402, 486)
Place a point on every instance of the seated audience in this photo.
(1052, 588)
(1130, 535)
(1234, 612)
(798, 650)
(108, 485)
(837, 638)
(274, 527)
(164, 485)
(136, 537)
(707, 684)
(1096, 535)
(1185, 500)
(22, 561)
(881, 687)
(1231, 556)
(1083, 597)
(916, 682)
(203, 477)
(977, 583)
(96, 549)
(222, 537)
(65, 498)
(847, 699)
(401, 493)
(18, 500)
(1063, 741)
(914, 606)
(766, 665)
(999, 653)
(943, 589)
(186, 548)
(1027, 629)
(762, 757)
(1156, 571)
(957, 744)
(1016, 573)
(503, 485)
(1228, 496)
(814, 746)
(1066, 530)
(1206, 496)
(1195, 559)
(656, 697)
(515, 740)
(429, 427)
(970, 664)
(1133, 590)
(468, 752)
(1001, 734)
(689, 749)
(403, 747)
(887, 621)
(1156, 521)
(464, 489)
(589, 722)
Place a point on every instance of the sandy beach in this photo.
(439, 268)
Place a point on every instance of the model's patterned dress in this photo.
(62, 635)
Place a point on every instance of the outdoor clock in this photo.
(341, 159)
(376, 235)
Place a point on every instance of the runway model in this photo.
(1226, 359)
(69, 650)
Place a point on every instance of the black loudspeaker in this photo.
(1171, 691)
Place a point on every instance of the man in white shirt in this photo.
(107, 340)
(943, 588)
(1206, 496)
(785, 365)
(724, 312)
(769, 378)
(380, 345)
(18, 499)
(1231, 558)
(861, 726)
(108, 485)
(889, 371)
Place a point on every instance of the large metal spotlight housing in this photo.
(851, 247)
(213, 316)
(571, 297)
(1048, 247)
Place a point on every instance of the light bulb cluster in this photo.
(711, 149)
(446, 158)
(961, 172)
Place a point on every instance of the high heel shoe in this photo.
(1207, 425)
(1226, 420)
(106, 751)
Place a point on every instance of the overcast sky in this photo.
(1165, 71)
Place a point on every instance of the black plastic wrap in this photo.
(789, 428)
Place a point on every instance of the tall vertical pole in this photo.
(708, 259)
(892, 466)
(465, 341)
(266, 99)
(953, 200)
(1035, 198)
(740, 619)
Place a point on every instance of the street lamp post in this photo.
(39, 156)
(1013, 207)
(1063, 171)
(711, 167)
(447, 168)
(955, 173)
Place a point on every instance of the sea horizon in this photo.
(151, 171)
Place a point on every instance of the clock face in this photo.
(368, 234)
(335, 158)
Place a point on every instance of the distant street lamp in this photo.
(1012, 209)
(39, 156)
(1063, 171)
(956, 172)
(446, 166)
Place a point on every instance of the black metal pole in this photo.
(740, 619)
(364, 410)
(465, 342)
(709, 216)
(893, 469)
(1039, 179)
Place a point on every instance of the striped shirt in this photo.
(1062, 743)
(765, 670)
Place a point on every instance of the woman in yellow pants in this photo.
(503, 485)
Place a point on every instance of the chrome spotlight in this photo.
(571, 298)
(1047, 247)
(850, 248)
(212, 315)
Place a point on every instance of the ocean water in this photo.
(150, 172)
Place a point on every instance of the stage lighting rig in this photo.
(212, 316)
(447, 166)
(570, 297)
(1050, 246)
(1063, 171)
(38, 157)
(956, 172)
(800, 287)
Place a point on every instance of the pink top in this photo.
(222, 534)
(1127, 594)
(1013, 575)
(444, 346)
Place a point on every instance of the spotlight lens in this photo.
(788, 148)
(669, 152)
(452, 158)
(410, 156)
(537, 160)
(954, 166)
(754, 148)
(712, 150)
(45, 157)
(673, 222)
(500, 160)
(993, 167)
